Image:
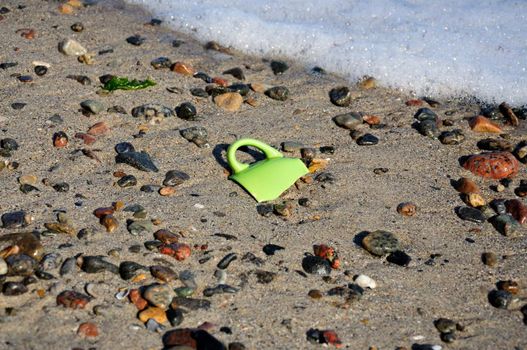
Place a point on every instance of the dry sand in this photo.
(399, 312)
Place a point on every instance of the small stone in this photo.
(25, 188)
(98, 129)
(505, 224)
(265, 277)
(88, 330)
(407, 209)
(25, 78)
(166, 236)
(77, 27)
(175, 317)
(135, 298)
(509, 286)
(284, 209)
(138, 160)
(399, 257)
(453, 137)
(152, 110)
(139, 227)
(315, 294)
(167, 191)
(152, 312)
(428, 127)
(279, 67)
(471, 214)
(3, 267)
(163, 273)
(60, 139)
(92, 106)
(475, 200)
(466, 186)
(127, 181)
(180, 251)
(159, 295)
(235, 72)
(445, 325)
(199, 92)
(340, 96)
(230, 101)
(507, 111)
(136, 40)
(279, 93)
(423, 114)
(124, 147)
(517, 209)
(59, 227)
(265, 209)
(18, 105)
(225, 262)
(271, 249)
(364, 281)
(82, 79)
(129, 269)
(316, 265)
(161, 62)
(196, 134)
(187, 111)
(27, 180)
(495, 145)
(367, 140)
(291, 146)
(368, 83)
(175, 178)
(481, 124)
(380, 243)
(96, 264)
(183, 68)
(109, 222)
(72, 299)
(16, 219)
(500, 299)
(13, 288)
(348, 120)
(40, 70)
(71, 47)
(371, 120)
(61, 187)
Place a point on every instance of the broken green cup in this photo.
(267, 179)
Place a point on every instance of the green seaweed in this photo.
(117, 83)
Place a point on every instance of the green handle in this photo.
(236, 166)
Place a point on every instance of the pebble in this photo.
(226, 261)
(380, 243)
(139, 226)
(271, 249)
(18, 105)
(188, 278)
(77, 27)
(124, 147)
(348, 120)
(471, 214)
(428, 128)
(453, 137)
(110, 223)
(71, 47)
(481, 124)
(92, 106)
(40, 70)
(495, 145)
(159, 295)
(279, 93)
(68, 266)
(367, 140)
(230, 101)
(161, 63)
(180, 251)
(364, 281)
(25, 79)
(316, 265)
(127, 181)
(264, 277)
(25, 188)
(152, 312)
(407, 209)
(166, 236)
(509, 286)
(466, 186)
(60, 139)
(138, 160)
(13, 288)
(98, 129)
(20, 265)
(505, 224)
(190, 303)
(187, 111)
(187, 339)
(16, 219)
(82, 79)
(183, 68)
(135, 298)
(340, 96)
(129, 269)
(235, 72)
(27, 180)
(279, 67)
(509, 114)
(73, 300)
(175, 178)
(136, 40)
(199, 92)
(3, 267)
(96, 264)
(175, 317)
(517, 209)
(163, 273)
(475, 200)
(61, 187)
(399, 257)
(88, 330)
(196, 134)
(494, 165)
(500, 299)
(219, 289)
(60, 227)
(151, 110)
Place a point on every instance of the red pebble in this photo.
(136, 299)
(72, 299)
(414, 103)
(88, 329)
(493, 165)
(332, 338)
(220, 81)
(98, 129)
(60, 139)
(327, 253)
(180, 251)
(87, 139)
(101, 212)
(517, 209)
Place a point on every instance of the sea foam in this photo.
(434, 48)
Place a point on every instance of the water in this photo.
(437, 48)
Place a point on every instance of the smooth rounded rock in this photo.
(380, 243)
(316, 265)
(159, 295)
(340, 96)
(493, 165)
(71, 47)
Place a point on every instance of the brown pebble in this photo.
(110, 223)
(65, 9)
(506, 110)
(98, 129)
(167, 191)
(474, 200)
(119, 173)
(101, 212)
(27, 180)
(230, 101)
(60, 139)
(166, 236)
(407, 209)
(258, 87)
(135, 298)
(368, 83)
(509, 286)
(517, 209)
(465, 185)
(72, 299)
(87, 139)
(88, 330)
(315, 294)
(414, 103)
(156, 313)
(371, 119)
(183, 68)
(489, 259)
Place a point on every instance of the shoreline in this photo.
(271, 308)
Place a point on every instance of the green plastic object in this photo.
(267, 179)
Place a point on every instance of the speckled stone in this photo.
(380, 243)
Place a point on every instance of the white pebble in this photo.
(3, 267)
(365, 282)
(71, 47)
(199, 206)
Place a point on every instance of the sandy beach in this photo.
(356, 191)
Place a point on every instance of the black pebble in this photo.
(61, 187)
(41, 70)
(367, 140)
(135, 40)
(124, 147)
(270, 249)
(225, 262)
(236, 72)
(199, 92)
(9, 144)
(18, 105)
(399, 258)
(265, 209)
(187, 111)
(279, 67)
